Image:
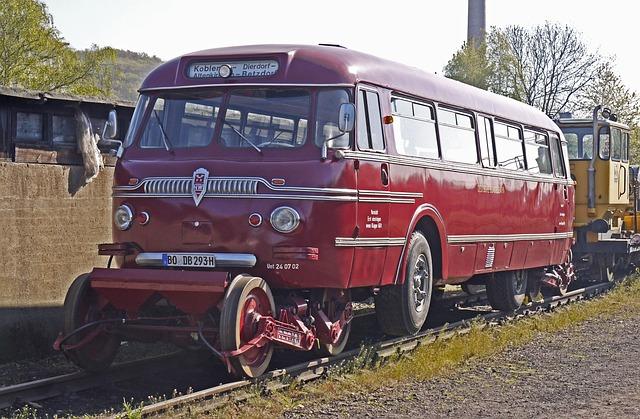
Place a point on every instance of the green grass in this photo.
(437, 359)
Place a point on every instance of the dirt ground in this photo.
(592, 370)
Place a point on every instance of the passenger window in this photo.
(369, 122)
(509, 152)
(558, 161)
(537, 152)
(616, 142)
(414, 129)
(457, 137)
(486, 142)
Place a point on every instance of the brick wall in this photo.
(50, 226)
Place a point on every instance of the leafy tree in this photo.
(544, 67)
(34, 55)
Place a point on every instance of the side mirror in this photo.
(111, 126)
(347, 117)
(346, 122)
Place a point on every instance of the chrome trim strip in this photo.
(252, 196)
(198, 86)
(223, 260)
(369, 241)
(391, 193)
(452, 167)
(386, 200)
(507, 237)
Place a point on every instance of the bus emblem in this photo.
(199, 186)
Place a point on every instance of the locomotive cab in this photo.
(604, 225)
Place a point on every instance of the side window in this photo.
(457, 137)
(572, 140)
(625, 147)
(369, 122)
(63, 129)
(536, 147)
(29, 126)
(616, 144)
(556, 155)
(508, 146)
(414, 129)
(486, 142)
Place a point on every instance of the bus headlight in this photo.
(122, 217)
(285, 219)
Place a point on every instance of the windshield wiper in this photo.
(243, 137)
(165, 139)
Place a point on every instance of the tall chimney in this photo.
(476, 23)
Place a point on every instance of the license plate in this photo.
(193, 260)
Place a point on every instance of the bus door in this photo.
(372, 177)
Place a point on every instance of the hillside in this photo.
(131, 68)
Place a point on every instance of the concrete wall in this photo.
(50, 225)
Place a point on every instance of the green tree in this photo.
(470, 65)
(34, 55)
(545, 66)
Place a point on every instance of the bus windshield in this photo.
(255, 118)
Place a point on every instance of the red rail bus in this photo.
(263, 189)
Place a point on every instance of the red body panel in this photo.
(340, 199)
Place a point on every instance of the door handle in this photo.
(623, 169)
(384, 174)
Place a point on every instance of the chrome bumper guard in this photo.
(223, 260)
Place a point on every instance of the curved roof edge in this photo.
(306, 64)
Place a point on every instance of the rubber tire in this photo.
(328, 349)
(394, 304)
(501, 291)
(234, 299)
(471, 289)
(79, 292)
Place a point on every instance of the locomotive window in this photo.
(536, 148)
(414, 129)
(457, 137)
(625, 147)
(369, 122)
(558, 161)
(509, 153)
(572, 141)
(486, 142)
(603, 143)
(616, 144)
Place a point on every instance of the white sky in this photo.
(421, 33)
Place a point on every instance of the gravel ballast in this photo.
(592, 369)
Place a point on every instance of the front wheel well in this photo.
(429, 230)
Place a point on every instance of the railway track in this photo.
(42, 389)
(318, 368)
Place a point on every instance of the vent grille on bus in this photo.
(215, 186)
(491, 254)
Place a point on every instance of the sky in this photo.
(420, 33)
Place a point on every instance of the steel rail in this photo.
(46, 388)
(392, 347)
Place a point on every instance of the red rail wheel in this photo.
(247, 299)
(81, 308)
(333, 304)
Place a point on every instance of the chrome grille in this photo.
(215, 186)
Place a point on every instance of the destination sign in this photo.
(205, 70)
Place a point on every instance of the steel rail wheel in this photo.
(506, 290)
(80, 308)
(402, 309)
(246, 300)
(333, 303)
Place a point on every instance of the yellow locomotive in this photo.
(605, 222)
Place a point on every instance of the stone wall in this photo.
(50, 225)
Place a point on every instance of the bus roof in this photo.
(333, 65)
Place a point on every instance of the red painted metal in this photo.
(448, 200)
